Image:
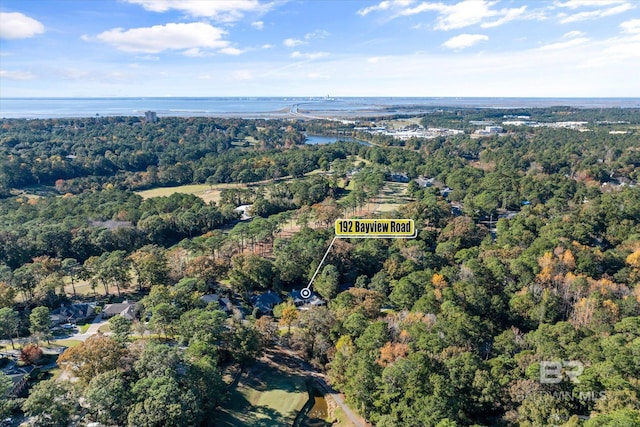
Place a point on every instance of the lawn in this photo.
(66, 343)
(392, 197)
(208, 193)
(269, 395)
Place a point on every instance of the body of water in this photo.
(275, 107)
(329, 139)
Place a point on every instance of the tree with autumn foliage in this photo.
(288, 315)
(31, 354)
(94, 356)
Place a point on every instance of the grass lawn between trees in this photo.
(208, 193)
(267, 396)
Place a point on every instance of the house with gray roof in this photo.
(126, 309)
(266, 301)
(73, 313)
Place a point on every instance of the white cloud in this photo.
(222, 10)
(595, 14)
(317, 34)
(17, 75)
(509, 15)
(293, 42)
(317, 76)
(623, 50)
(464, 40)
(426, 7)
(14, 25)
(564, 45)
(309, 55)
(384, 5)
(72, 73)
(466, 13)
(616, 50)
(632, 26)
(268, 46)
(194, 52)
(242, 75)
(189, 37)
(575, 4)
(231, 51)
(573, 34)
(258, 25)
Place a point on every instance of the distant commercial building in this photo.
(489, 130)
(150, 116)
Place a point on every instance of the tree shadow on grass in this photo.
(265, 377)
(245, 414)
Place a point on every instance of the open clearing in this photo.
(392, 196)
(211, 193)
(271, 394)
(390, 199)
(400, 123)
(208, 193)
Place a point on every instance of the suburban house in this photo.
(266, 301)
(224, 303)
(313, 301)
(398, 177)
(73, 313)
(424, 182)
(19, 375)
(245, 212)
(126, 309)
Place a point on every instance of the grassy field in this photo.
(392, 197)
(400, 123)
(208, 193)
(269, 395)
(66, 343)
(53, 343)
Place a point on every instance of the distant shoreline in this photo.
(279, 108)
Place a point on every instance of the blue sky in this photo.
(507, 48)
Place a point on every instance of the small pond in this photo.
(330, 139)
(318, 414)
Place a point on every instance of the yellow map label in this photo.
(376, 228)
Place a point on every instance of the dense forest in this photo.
(517, 304)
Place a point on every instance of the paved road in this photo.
(92, 330)
(353, 417)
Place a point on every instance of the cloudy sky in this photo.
(556, 48)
